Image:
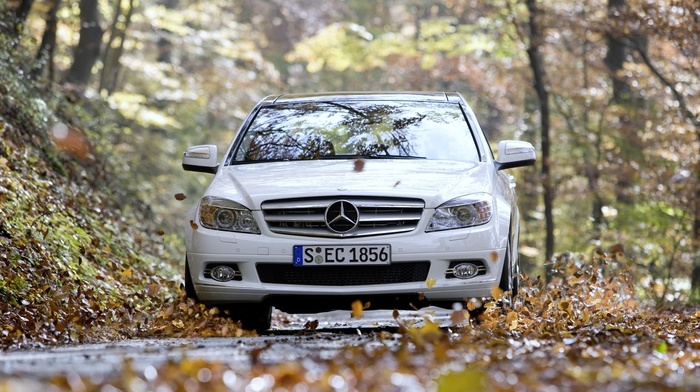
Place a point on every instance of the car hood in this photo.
(433, 181)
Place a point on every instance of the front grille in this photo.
(356, 275)
(376, 216)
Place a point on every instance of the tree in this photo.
(115, 45)
(88, 49)
(21, 14)
(536, 40)
(45, 53)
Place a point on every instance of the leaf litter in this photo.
(583, 330)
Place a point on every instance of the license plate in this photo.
(306, 255)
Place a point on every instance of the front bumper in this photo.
(440, 249)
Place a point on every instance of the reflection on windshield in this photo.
(327, 130)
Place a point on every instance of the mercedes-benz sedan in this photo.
(323, 199)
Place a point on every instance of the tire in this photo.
(510, 276)
(256, 317)
(189, 286)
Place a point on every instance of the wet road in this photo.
(287, 341)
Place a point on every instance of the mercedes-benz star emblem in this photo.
(342, 216)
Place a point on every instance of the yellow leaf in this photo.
(512, 320)
(496, 293)
(473, 304)
(430, 331)
(511, 316)
(357, 308)
(468, 380)
(127, 273)
(565, 306)
(430, 327)
(430, 283)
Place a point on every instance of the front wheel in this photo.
(510, 277)
(189, 286)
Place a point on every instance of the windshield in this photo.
(348, 129)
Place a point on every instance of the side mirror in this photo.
(201, 159)
(515, 153)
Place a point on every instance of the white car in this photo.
(323, 199)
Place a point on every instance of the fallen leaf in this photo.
(512, 321)
(167, 312)
(193, 225)
(662, 348)
(153, 289)
(464, 380)
(357, 309)
(127, 273)
(565, 306)
(496, 293)
(311, 325)
(430, 283)
(474, 304)
(459, 317)
(359, 165)
(161, 233)
(180, 196)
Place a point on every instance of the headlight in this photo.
(462, 212)
(222, 214)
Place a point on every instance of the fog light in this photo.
(223, 273)
(465, 270)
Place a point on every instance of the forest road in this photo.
(289, 340)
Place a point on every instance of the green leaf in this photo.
(662, 348)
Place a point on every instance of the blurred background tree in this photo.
(622, 179)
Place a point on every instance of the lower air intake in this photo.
(356, 275)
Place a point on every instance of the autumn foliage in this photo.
(85, 254)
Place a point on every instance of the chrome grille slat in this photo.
(294, 218)
(306, 217)
(379, 217)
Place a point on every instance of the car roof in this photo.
(422, 96)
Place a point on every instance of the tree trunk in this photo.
(88, 50)
(21, 13)
(539, 75)
(695, 278)
(617, 54)
(44, 56)
(115, 47)
(164, 45)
